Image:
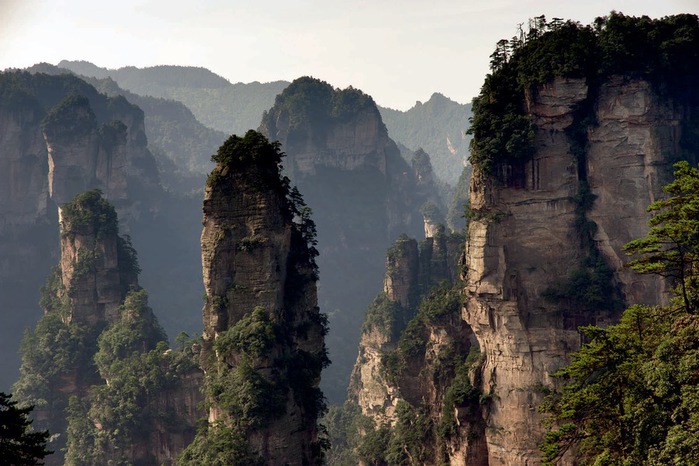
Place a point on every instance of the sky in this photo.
(398, 51)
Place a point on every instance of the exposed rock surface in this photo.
(54, 147)
(258, 265)
(363, 195)
(428, 358)
(525, 239)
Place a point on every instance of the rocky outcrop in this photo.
(60, 137)
(97, 266)
(413, 366)
(263, 332)
(99, 350)
(528, 233)
(363, 195)
(95, 271)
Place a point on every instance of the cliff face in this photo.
(263, 333)
(363, 195)
(527, 235)
(413, 373)
(54, 147)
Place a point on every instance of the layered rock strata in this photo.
(363, 195)
(258, 263)
(526, 237)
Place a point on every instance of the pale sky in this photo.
(398, 51)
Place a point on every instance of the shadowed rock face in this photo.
(527, 240)
(56, 145)
(363, 195)
(257, 264)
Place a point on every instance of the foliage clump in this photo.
(19, 444)
(137, 366)
(89, 213)
(662, 51)
(629, 393)
(310, 102)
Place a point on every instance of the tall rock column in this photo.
(519, 333)
(538, 222)
(263, 346)
(96, 270)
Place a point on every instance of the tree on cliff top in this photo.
(664, 52)
(19, 446)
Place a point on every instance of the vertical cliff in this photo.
(263, 346)
(96, 269)
(363, 195)
(60, 137)
(414, 374)
(584, 153)
(97, 365)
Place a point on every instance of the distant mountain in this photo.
(217, 103)
(181, 144)
(438, 126)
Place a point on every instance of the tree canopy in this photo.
(631, 393)
(19, 445)
(663, 51)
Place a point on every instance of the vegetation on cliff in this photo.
(263, 361)
(118, 417)
(362, 191)
(630, 395)
(310, 102)
(662, 51)
(98, 381)
(425, 370)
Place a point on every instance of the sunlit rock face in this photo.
(412, 273)
(527, 240)
(256, 260)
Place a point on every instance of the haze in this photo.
(397, 51)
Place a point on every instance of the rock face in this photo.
(259, 273)
(95, 271)
(53, 147)
(363, 195)
(527, 236)
(413, 355)
(96, 268)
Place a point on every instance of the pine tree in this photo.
(19, 446)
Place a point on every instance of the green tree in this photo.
(671, 248)
(19, 446)
(631, 393)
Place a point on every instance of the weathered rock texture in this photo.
(55, 146)
(422, 377)
(363, 195)
(525, 239)
(258, 265)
